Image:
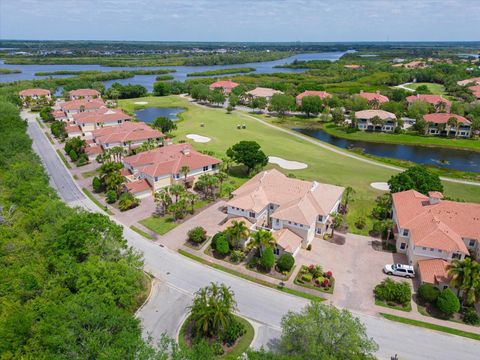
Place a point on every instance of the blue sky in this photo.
(241, 20)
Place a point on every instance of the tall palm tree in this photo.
(184, 170)
(440, 106)
(347, 196)
(452, 123)
(164, 199)
(192, 199)
(176, 190)
(263, 239)
(221, 176)
(374, 104)
(465, 276)
(236, 232)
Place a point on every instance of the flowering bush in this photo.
(326, 283)
(328, 274)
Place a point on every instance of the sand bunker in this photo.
(141, 102)
(287, 164)
(380, 186)
(198, 138)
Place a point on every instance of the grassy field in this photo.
(408, 139)
(430, 326)
(436, 89)
(159, 225)
(323, 165)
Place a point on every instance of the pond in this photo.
(149, 114)
(446, 158)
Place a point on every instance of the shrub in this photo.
(221, 246)
(96, 184)
(233, 332)
(216, 237)
(285, 262)
(197, 235)
(315, 270)
(319, 280)
(471, 317)
(447, 302)
(111, 196)
(237, 256)
(127, 201)
(268, 259)
(360, 223)
(73, 155)
(428, 293)
(326, 283)
(307, 277)
(309, 247)
(328, 274)
(389, 290)
(82, 160)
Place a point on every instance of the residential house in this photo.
(474, 81)
(87, 94)
(321, 94)
(429, 228)
(92, 151)
(59, 115)
(127, 135)
(161, 166)
(95, 119)
(434, 272)
(273, 201)
(435, 100)
(226, 86)
(366, 120)
(73, 131)
(475, 90)
(79, 106)
(139, 188)
(416, 64)
(263, 92)
(34, 94)
(438, 125)
(375, 96)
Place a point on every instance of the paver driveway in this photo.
(357, 268)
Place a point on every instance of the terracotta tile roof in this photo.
(84, 92)
(476, 90)
(230, 221)
(224, 84)
(475, 80)
(59, 114)
(320, 94)
(87, 104)
(369, 96)
(287, 240)
(442, 118)
(73, 129)
(431, 99)
(93, 150)
(441, 225)
(433, 271)
(169, 160)
(104, 115)
(435, 194)
(125, 172)
(369, 114)
(129, 131)
(263, 92)
(34, 92)
(299, 201)
(137, 186)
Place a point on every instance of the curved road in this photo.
(264, 306)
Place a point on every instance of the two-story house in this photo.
(96, 119)
(88, 94)
(127, 135)
(277, 203)
(35, 94)
(432, 231)
(438, 124)
(366, 120)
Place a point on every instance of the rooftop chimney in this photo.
(186, 151)
(434, 197)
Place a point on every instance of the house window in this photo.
(431, 249)
(403, 246)
(405, 232)
(251, 214)
(271, 207)
(119, 121)
(205, 168)
(424, 248)
(456, 256)
(320, 218)
(277, 221)
(471, 243)
(439, 250)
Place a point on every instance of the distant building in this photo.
(438, 125)
(321, 94)
(365, 120)
(95, 119)
(434, 100)
(225, 85)
(88, 94)
(82, 105)
(34, 94)
(475, 81)
(127, 135)
(263, 92)
(371, 96)
(475, 90)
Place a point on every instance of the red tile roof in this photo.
(369, 96)
(169, 160)
(442, 118)
(58, 114)
(320, 94)
(137, 186)
(224, 84)
(433, 271)
(431, 99)
(84, 92)
(93, 150)
(102, 116)
(34, 92)
(475, 90)
(441, 225)
(73, 129)
(475, 80)
(87, 104)
(126, 132)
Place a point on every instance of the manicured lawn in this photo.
(242, 345)
(436, 89)
(141, 232)
(251, 278)
(143, 295)
(90, 173)
(159, 225)
(408, 139)
(323, 165)
(407, 308)
(430, 326)
(94, 199)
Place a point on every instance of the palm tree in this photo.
(337, 221)
(236, 232)
(164, 199)
(185, 170)
(374, 104)
(465, 276)
(192, 199)
(176, 190)
(226, 164)
(440, 106)
(348, 194)
(452, 123)
(221, 176)
(262, 239)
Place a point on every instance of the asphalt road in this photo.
(180, 277)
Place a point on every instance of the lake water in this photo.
(268, 67)
(149, 114)
(447, 158)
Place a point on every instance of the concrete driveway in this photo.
(357, 268)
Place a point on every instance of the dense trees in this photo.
(281, 103)
(465, 276)
(164, 124)
(119, 91)
(311, 105)
(249, 154)
(417, 178)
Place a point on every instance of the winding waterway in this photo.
(464, 160)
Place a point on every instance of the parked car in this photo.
(399, 270)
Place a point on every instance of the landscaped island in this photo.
(9, 71)
(222, 71)
(91, 72)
